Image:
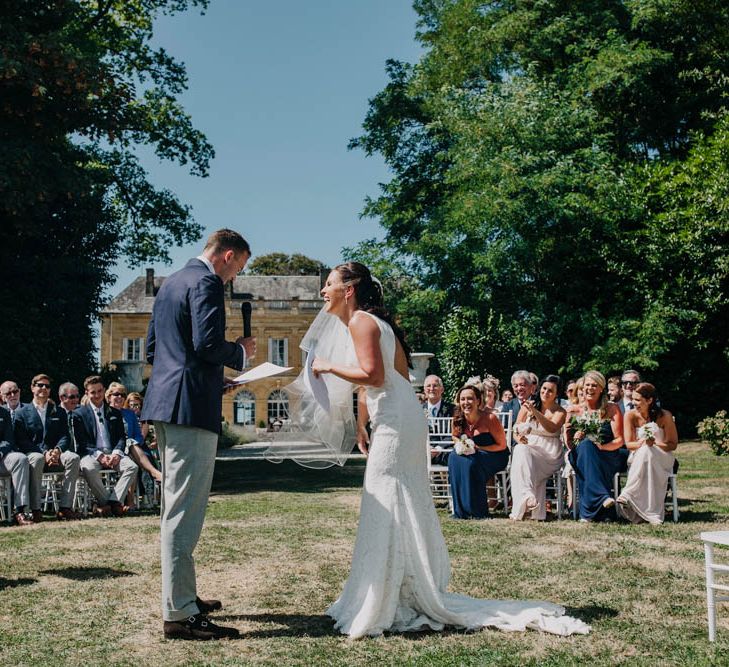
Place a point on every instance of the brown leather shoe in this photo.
(37, 516)
(67, 514)
(22, 520)
(198, 628)
(206, 606)
(117, 509)
(102, 511)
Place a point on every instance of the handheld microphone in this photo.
(245, 309)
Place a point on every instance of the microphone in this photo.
(245, 309)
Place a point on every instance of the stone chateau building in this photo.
(283, 307)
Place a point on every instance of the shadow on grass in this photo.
(86, 573)
(239, 476)
(14, 583)
(591, 612)
(294, 625)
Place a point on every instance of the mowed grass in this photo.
(276, 549)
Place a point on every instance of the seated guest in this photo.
(116, 395)
(538, 429)
(68, 397)
(506, 396)
(521, 383)
(41, 433)
(10, 392)
(575, 398)
(434, 408)
(15, 464)
(628, 381)
(650, 435)
(615, 393)
(100, 433)
(468, 473)
(596, 456)
(491, 393)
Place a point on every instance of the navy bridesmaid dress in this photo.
(468, 475)
(594, 470)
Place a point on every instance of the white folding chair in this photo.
(439, 435)
(51, 485)
(6, 498)
(672, 488)
(711, 539)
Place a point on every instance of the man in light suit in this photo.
(187, 349)
(41, 433)
(99, 434)
(435, 407)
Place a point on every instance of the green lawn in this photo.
(276, 549)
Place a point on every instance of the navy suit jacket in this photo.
(29, 435)
(187, 349)
(7, 437)
(512, 406)
(84, 428)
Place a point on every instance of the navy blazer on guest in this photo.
(30, 436)
(512, 406)
(187, 349)
(85, 429)
(7, 437)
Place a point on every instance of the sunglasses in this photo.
(11, 392)
(70, 397)
(43, 385)
(117, 394)
(632, 383)
(135, 405)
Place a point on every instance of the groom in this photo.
(187, 349)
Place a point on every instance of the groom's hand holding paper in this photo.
(264, 370)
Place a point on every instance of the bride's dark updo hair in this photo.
(370, 298)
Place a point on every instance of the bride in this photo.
(400, 566)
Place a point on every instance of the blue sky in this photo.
(279, 88)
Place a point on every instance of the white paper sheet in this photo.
(264, 370)
(316, 385)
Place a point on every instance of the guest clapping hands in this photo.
(539, 455)
(651, 437)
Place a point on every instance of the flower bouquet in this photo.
(648, 431)
(464, 446)
(589, 422)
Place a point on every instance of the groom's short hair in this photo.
(227, 239)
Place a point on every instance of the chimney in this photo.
(149, 284)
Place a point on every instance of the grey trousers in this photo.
(16, 464)
(91, 469)
(188, 459)
(70, 463)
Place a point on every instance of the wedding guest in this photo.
(41, 433)
(538, 429)
(68, 397)
(597, 456)
(101, 435)
(491, 393)
(468, 473)
(576, 397)
(650, 435)
(615, 393)
(434, 408)
(11, 395)
(628, 381)
(116, 396)
(521, 383)
(506, 396)
(15, 464)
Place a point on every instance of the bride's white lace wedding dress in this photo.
(400, 567)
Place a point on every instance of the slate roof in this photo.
(133, 298)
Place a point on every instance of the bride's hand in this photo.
(363, 440)
(320, 366)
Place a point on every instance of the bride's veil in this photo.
(318, 438)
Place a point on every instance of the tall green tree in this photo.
(81, 88)
(537, 150)
(281, 264)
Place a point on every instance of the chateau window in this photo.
(132, 349)
(278, 351)
(278, 406)
(244, 408)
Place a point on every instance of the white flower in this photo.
(464, 446)
(648, 431)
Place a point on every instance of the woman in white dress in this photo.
(539, 452)
(400, 566)
(651, 437)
